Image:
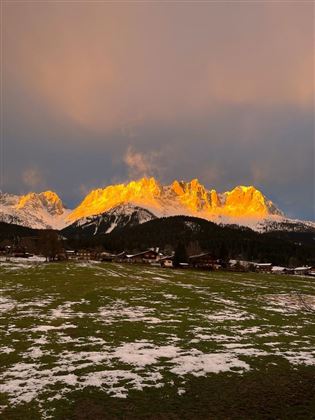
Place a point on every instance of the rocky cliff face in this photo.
(244, 205)
(40, 211)
(189, 198)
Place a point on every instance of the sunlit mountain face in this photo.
(47, 199)
(40, 211)
(144, 199)
(188, 198)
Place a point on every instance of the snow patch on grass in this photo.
(7, 304)
(199, 364)
(144, 353)
(121, 312)
(229, 315)
(288, 303)
(46, 328)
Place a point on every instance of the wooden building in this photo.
(147, 256)
(301, 271)
(166, 261)
(263, 267)
(205, 261)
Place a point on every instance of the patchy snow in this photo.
(178, 340)
(6, 350)
(7, 304)
(46, 328)
(66, 310)
(199, 364)
(144, 353)
(288, 303)
(112, 227)
(119, 311)
(229, 315)
(300, 357)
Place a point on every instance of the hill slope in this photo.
(118, 217)
(199, 234)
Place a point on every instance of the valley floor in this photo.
(104, 341)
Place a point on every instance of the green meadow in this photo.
(104, 341)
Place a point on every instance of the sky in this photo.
(95, 93)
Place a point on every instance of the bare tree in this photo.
(49, 244)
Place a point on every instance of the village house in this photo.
(263, 267)
(167, 261)
(243, 265)
(121, 257)
(147, 256)
(301, 271)
(281, 270)
(86, 254)
(109, 257)
(106, 257)
(312, 272)
(239, 265)
(71, 254)
(205, 261)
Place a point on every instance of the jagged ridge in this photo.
(40, 211)
(188, 198)
(244, 205)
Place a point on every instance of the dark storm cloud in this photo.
(98, 93)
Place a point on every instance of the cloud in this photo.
(102, 66)
(32, 178)
(141, 164)
(222, 93)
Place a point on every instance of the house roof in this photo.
(141, 253)
(167, 257)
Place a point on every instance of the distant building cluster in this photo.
(50, 248)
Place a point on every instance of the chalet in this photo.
(107, 256)
(71, 254)
(281, 270)
(263, 267)
(301, 271)
(166, 261)
(183, 265)
(205, 260)
(148, 257)
(121, 257)
(239, 265)
(86, 254)
(243, 265)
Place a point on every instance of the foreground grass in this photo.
(118, 341)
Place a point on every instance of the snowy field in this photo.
(120, 331)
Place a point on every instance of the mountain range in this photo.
(105, 209)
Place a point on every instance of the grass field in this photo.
(103, 341)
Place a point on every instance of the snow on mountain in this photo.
(120, 216)
(40, 211)
(272, 224)
(247, 205)
(135, 201)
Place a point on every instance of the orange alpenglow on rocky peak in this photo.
(47, 198)
(188, 198)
